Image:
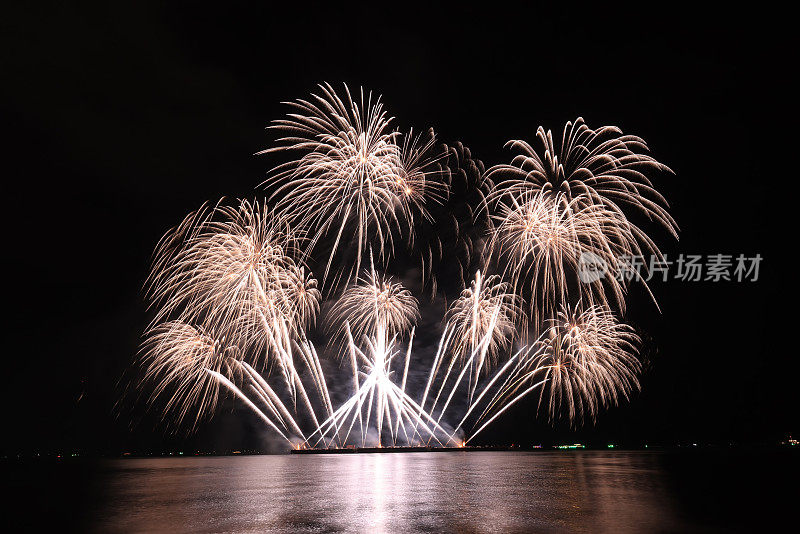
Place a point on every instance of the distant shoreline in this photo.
(362, 450)
(381, 450)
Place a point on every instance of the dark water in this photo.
(420, 492)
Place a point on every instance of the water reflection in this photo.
(420, 492)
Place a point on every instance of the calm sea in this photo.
(575, 491)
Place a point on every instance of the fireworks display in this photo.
(354, 180)
(235, 301)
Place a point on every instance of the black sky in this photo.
(121, 119)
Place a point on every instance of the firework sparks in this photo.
(585, 361)
(351, 182)
(176, 356)
(234, 296)
(234, 269)
(392, 409)
(418, 180)
(449, 243)
(589, 360)
(485, 310)
(592, 174)
(375, 302)
(600, 166)
(542, 239)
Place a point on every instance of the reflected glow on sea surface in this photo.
(429, 492)
(413, 492)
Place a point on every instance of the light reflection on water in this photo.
(419, 492)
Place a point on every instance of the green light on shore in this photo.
(611, 445)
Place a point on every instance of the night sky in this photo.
(120, 120)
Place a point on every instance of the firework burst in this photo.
(176, 357)
(541, 238)
(597, 173)
(589, 361)
(375, 303)
(351, 183)
(486, 311)
(233, 269)
(600, 166)
(419, 176)
(585, 361)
